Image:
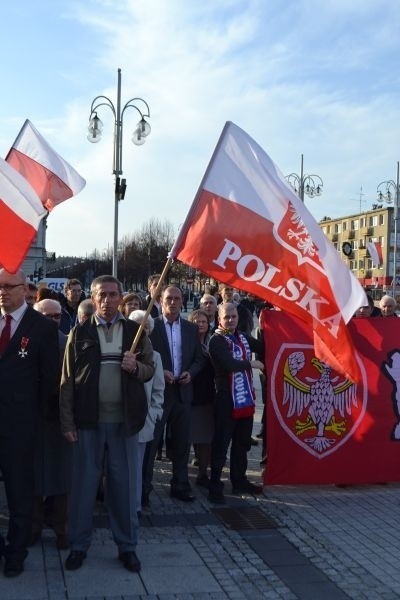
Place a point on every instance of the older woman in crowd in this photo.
(387, 304)
(202, 414)
(52, 456)
(155, 399)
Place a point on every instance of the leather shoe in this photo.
(216, 497)
(13, 567)
(130, 561)
(247, 488)
(62, 542)
(35, 537)
(75, 560)
(184, 496)
(203, 481)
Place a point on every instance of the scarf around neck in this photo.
(240, 382)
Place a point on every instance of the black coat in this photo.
(28, 377)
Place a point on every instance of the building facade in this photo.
(375, 225)
(34, 265)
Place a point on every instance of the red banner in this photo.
(321, 427)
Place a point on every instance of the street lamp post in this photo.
(138, 138)
(388, 191)
(305, 184)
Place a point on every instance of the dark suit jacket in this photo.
(192, 355)
(28, 378)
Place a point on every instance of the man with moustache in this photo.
(103, 406)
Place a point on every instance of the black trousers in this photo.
(176, 415)
(227, 430)
(16, 465)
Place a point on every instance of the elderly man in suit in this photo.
(29, 370)
(178, 343)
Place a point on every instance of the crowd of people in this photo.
(91, 387)
(88, 396)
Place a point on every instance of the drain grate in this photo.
(245, 517)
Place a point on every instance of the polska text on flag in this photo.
(246, 227)
(20, 214)
(50, 175)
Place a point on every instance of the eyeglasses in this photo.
(53, 316)
(7, 287)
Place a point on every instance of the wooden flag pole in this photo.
(150, 306)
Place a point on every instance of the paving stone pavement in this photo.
(316, 542)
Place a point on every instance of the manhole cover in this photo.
(245, 517)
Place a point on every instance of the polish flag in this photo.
(50, 175)
(247, 227)
(375, 252)
(20, 214)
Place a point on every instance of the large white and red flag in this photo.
(375, 252)
(50, 175)
(246, 227)
(20, 214)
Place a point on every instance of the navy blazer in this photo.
(29, 373)
(192, 355)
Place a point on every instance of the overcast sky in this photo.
(318, 77)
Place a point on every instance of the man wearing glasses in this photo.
(29, 369)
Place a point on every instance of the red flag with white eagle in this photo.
(20, 214)
(50, 175)
(246, 227)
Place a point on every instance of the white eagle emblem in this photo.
(322, 397)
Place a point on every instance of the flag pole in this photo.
(157, 291)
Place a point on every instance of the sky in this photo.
(312, 77)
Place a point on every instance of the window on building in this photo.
(354, 224)
(344, 225)
(362, 222)
(381, 219)
(360, 264)
(338, 227)
(328, 229)
(354, 244)
(373, 221)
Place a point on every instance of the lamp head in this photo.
(95, 128)
(141, 132)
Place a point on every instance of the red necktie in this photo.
(5, 334)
